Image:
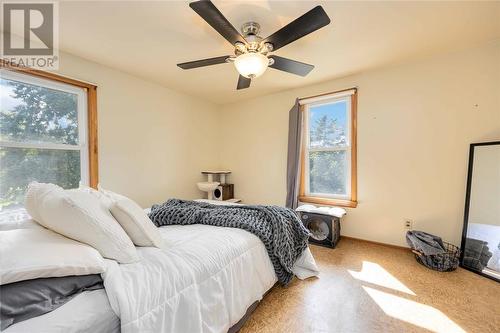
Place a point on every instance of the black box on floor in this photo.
(325, 229)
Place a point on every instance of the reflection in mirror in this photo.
(481, 236)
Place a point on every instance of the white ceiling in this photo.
(148, 38)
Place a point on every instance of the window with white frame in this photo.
(328, 153)
(43, 137)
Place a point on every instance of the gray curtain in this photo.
(293, 160)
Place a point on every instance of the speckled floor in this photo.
(366, 287)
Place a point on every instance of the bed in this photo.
(204, 281)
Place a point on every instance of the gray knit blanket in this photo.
(281, 231)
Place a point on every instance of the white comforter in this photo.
(203, 281)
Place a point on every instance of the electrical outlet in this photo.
(408, 223)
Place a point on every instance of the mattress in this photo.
(88, 312)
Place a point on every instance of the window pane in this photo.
(327, 172)
(20, 166)
(31, 113)
(328, 125)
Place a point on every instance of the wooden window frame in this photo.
(91, 111)
(353, 200)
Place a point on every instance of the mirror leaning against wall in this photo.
(481, 233)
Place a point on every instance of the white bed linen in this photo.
(490, 234)
(203, 281)
(88, 312)
(305, 266)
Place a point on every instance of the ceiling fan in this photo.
(252, 52)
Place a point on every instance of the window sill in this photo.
(329, 202)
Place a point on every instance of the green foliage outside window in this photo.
(327, 169)
(35, 114)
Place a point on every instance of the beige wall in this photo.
(415, 122)
(153, 142)
(485, 189)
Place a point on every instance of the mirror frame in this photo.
(467, 205)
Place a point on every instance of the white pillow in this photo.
(105, 200)
(136, 223)
(133, 220)
(80, 216)
(40, 253)
(34, 197)
(113, 196)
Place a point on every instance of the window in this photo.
(44, 135)
(328, 167)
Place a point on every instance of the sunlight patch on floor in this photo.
(418, 314)
(374, 273)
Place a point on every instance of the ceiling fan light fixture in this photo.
(251, 65)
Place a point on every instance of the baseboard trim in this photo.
(378, 243)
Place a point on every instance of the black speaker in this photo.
(325, 229)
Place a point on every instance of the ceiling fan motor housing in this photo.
(250, 28)
(250, 31)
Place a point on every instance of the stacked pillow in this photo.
(82, 217)
(109, 222)
(40, 253)
(131, 217)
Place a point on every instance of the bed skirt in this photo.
(236, 327)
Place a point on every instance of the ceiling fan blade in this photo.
(291, 66)
(243, 82)
(207, 10)
(203, 62)
(311, 21)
